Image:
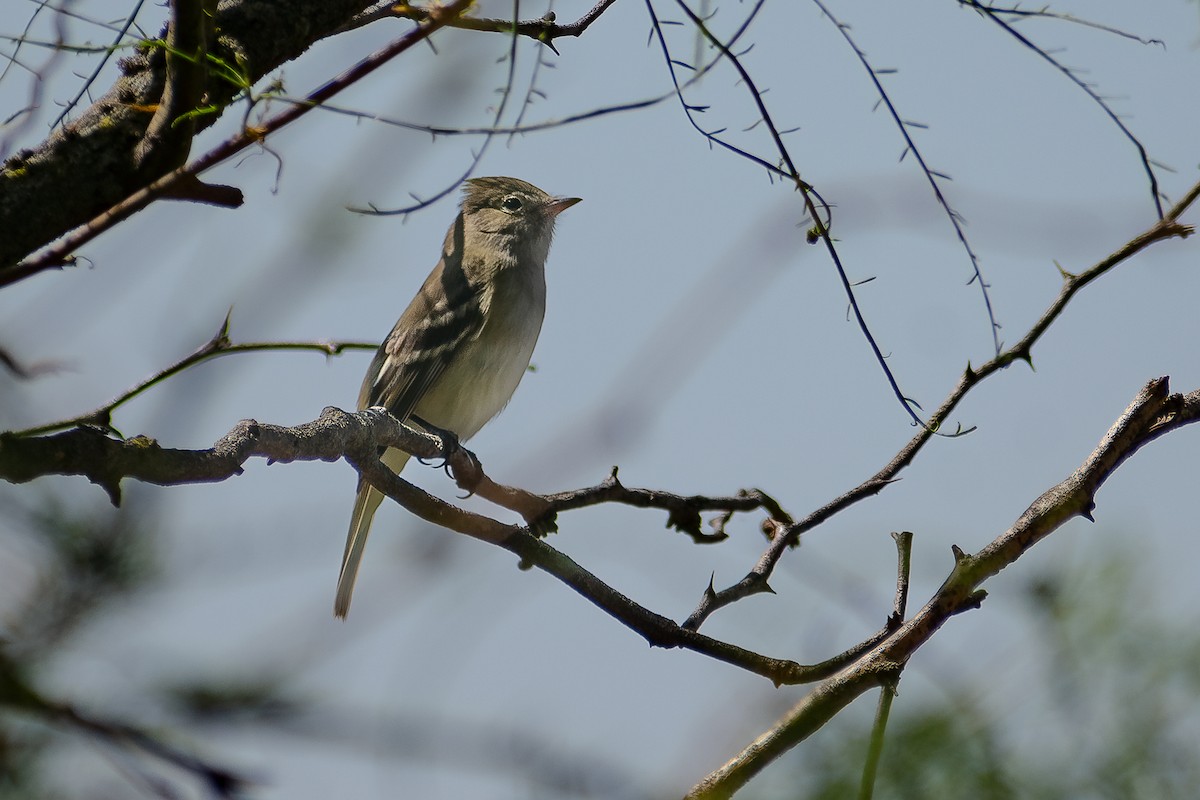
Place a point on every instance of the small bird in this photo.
(458, 351)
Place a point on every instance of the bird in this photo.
(457, 353)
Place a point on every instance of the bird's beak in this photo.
(558, 205)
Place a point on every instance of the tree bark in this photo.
(88, 165)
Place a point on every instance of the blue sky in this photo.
(692, 338)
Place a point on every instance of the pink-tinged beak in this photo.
(558, 205)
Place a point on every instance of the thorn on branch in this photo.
(112, 487)
(221, 337)
(612, 481)
(1066, 276)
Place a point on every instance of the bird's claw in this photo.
(449, 441)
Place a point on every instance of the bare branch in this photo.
(219, 345)
(171, 183)
(17, 694)
(85, 170)
(887, 693)
(1045, 13)
(994, 15)
(477, 157)
(1167, 228)
(359, 438)
(930, 175)
(1140, 423)
(544, 29)
(814, 205)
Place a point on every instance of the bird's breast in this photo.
(481, 379)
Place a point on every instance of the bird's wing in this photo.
(427, 338)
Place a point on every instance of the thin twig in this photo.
(756, 579)
(544, 29)
(91, 79)
(1074, 497)
(887, 693)
(60, 253)
(930, 175)
(994, 15)
(218, 346)
(813, 204)
(1045, 13)
(477, 156)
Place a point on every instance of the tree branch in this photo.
(18, 694)
(754, 582)
(183, 181)
(544, 29)
(359, 438)
(97, 171)
(1151, 413)
(88, 166)
(888, 692)
(219, 345)
(168, 138)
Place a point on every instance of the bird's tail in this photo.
(365, 504)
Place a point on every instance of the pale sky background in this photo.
(691, 337)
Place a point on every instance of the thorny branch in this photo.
(1044, 12)
(932, 176)
(995, 15)
(31, 170)
(174, 181)
(544, 29)
(816, 208)
(505, 95)
(358, 438)
(219, 345)
(1153, 412)
(87, 165)
(756, 581)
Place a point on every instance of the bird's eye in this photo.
(511, 203)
